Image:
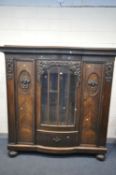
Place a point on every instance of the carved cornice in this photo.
(58, 50)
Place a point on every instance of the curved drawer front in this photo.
(62, 139)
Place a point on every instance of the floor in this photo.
(43, 164)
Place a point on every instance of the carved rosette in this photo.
(24, 80)
(9, 67)
(108, 71)
(93, 84)
(74, 66)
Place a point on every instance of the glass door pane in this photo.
(64, 81)
(58, 94)
(44, 94)
(53, 95)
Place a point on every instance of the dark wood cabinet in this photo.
(58, 99)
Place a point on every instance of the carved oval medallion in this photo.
(93, 84)
(24, 80)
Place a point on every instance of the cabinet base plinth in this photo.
(100, 151)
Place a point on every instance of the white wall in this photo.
(80, 27)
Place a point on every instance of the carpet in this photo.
(48, 164)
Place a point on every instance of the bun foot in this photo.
(12, 153)
(101, 157)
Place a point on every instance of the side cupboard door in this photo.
(20, 90)
(24, 98)
(96, 89)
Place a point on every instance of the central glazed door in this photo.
(58, 103)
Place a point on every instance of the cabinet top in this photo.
(57, 50)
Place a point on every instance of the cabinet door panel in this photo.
(59, 88)
(24, 100)
(92, 86)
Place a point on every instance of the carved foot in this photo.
(12, 153)
(101, 157)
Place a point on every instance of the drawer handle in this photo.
(56, 139)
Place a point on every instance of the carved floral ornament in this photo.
(108, 71)
(42, 66)
(93, 84)
(9, 67)
(24, 80)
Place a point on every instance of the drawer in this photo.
(66, 139)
